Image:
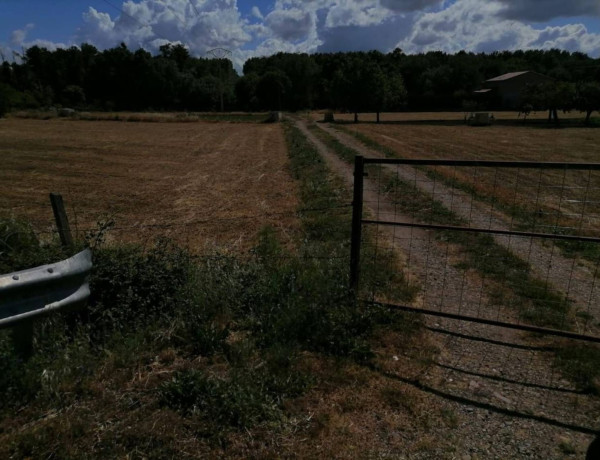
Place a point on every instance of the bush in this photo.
(20, 248)
(132, 288)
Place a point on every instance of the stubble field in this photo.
(197, 183)
(555, 198)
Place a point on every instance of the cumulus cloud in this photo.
(18, 41)
(17, 37)
(326, 25)
(356, 13)
(290, 24)
(481, 27)
(201, 24)
(340, 13)
(543, 10)
(382, 37)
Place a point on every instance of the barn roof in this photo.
(508, 76)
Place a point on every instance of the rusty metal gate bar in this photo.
(358, 221)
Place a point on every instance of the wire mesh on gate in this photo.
(494, 243)
(499, 241)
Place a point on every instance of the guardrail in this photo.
(32, 293)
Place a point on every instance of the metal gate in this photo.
(525, 234)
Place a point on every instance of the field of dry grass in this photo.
(204, 183)
(198, 183)
(553, 194)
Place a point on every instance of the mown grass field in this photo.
(219, 356)
(199, 183)
(544, 201)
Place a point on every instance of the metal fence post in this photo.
(62, 223)
(357, 215)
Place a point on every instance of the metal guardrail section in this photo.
(39, 291)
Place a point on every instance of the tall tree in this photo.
(272, 88)
(588, 98)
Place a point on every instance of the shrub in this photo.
(132, 287)
(20, 248)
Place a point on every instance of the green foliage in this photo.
(131, 287)
(124, 79)
(588, 98)
(251, 393)
(20, 248)
(236, 403)
(272, 88)
(73, 96)
(552, 96)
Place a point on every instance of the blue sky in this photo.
(262, 27)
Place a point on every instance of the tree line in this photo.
(122, 79)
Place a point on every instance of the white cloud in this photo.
(256, 13)
(17, 37)
(202, 25)
(476, 26)
(331, 25)
(18, 42)
(290, 24)
(356, 13)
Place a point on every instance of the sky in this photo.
(264, 27)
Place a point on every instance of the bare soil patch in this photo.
(198, 183)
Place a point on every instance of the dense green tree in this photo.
(551, 96)
(588, 98)
(73, 96)
(124, 79)
(177, 53)
(272, 89)
(245, 92)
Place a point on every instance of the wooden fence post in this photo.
(60, 216)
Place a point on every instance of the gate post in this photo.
(357, 215)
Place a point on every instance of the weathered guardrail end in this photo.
(35, 292)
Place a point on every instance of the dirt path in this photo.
(497, 370)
